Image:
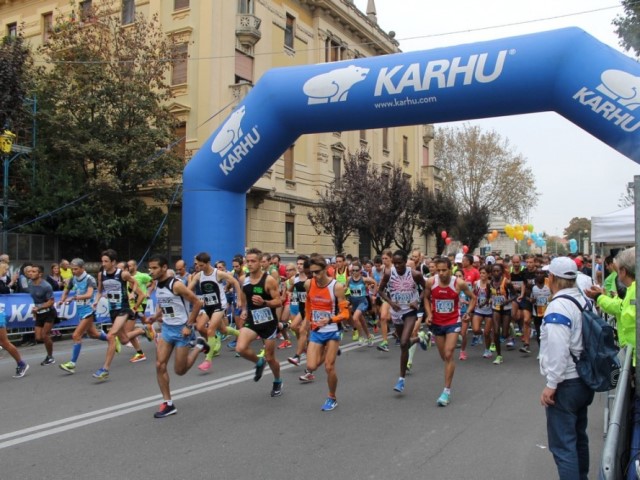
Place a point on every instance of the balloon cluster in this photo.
(447, 240)
(492, 236)
(520, 232)
(573, 245)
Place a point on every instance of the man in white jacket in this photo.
(565, 396)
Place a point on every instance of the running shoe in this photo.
(475, 340)
(165, 410)
(68, 367)
(261, 354)
(423, 340)
(525, 349)
(232, 344)
(329, 404)
(487, 353)
(295, 360)
(383, 347)
(502, 340)
(276, 390)
(362, 341)
(21, 370)
(498, 360)
(397, 341)
(399, 385)
(463, 355)
(149, 332)
(205, 366)
(205, 346)
(48, 361)
(260, 364)
(511, 344)
(118, 345)
(308, 377)
(355, 335)
(409, 365)
(492, 347)
(370, 340)
(518, 332)
(444, 399)
(101, 374)
(285, 344)
(138, 357)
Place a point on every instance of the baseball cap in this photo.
(490, 260)
(458, 258)
(476, 258)
(563, 267)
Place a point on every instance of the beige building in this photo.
(228, 45)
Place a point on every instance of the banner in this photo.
(18, 310)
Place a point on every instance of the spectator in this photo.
(65, 271)
(22, 279)
(55, 279)
(4, 286)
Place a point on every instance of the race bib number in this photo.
(86, 301)
(210, 299)
(498, 300)
(402, 298)
(168, 311)
(114, 297)
(541, 301)
(302, 297)
(262, 315)
(444, 306)
(357, 292)
(320, 315)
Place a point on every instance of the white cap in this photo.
(490, 260)
(563, 267)
(458, 258)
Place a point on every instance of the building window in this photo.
(244, 67)
(337, 163)
(86, 10)
(405, 149)
(12, 30)
(180, 4)
(385, 139)
(180, 136)
(289, 231)
(245, 6)
(333, 50)
(47, 26)
(425, 156)
(288, 31)
(179, 70)
(288, 163)
(128, 11)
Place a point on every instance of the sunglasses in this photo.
(355, 269)
(316, 272)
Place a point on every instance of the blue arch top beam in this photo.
(566, 71)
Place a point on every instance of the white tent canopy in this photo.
(615, 227)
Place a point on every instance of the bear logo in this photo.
(229, 133)
(622, 87)
(333, 86)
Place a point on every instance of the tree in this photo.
(627, 198)
(15, 73)
(473, 224)
(628, 26)
(579, 228)
(440, 212)
(341, 206)
(481, 170)
(412, 219)
(104, 130)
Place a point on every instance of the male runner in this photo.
(43, 311)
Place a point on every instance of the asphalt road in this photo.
(59, 426)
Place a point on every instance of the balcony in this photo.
(248, 29)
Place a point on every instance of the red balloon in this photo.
(447, 240)
(465, 249)
(443, 234)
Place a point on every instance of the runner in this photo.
(358, 286)
(112, 283)
(464, 306)
(21, 365)
(299, 325)
(483, 311)
(518, 280)
(524, 301)
(261, 298)
(399, 288)
(501, 294)
(325, 296)
(43, 312)
(540, 297)
(83, 287)
(238, 273)
(385, 308)
(177, 329)
(442, 298)
(211, 318)
(342, 276)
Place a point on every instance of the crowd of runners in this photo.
(307, 308)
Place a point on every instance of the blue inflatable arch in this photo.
(567, 71)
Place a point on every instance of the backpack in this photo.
(598, 365)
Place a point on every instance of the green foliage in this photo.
(15, 74)
(628, 26)
(440, 212)
(473, 224)
(579, 228)
(104, 129)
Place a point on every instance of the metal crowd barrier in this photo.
(616, 444)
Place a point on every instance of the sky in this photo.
(563, 157)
